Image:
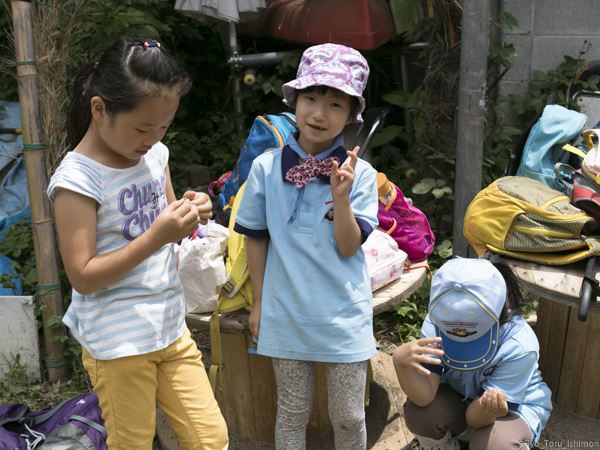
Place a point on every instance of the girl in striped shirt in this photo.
(117, 219)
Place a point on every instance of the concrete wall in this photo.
(19, 335)
(548, 30)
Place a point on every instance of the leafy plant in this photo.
(18, 246)
(16, 386)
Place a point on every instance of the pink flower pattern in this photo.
(308, 169)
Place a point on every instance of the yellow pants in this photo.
(130, 388)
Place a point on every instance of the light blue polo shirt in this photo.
(316, 305)
(513, 370)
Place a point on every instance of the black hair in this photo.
(131, 69)
(322, 90)
(515, 302)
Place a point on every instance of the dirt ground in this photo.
(386, 429)
(566, 430)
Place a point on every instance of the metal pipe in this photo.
(471, 112)
(257, 59)
(237, 82)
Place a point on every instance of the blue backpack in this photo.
(75, 424)
(268, 131)
(555, 127)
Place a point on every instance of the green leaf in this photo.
(444, 249)
(31, 277)
(386, 135)
(398, 98)
(437, 193)
(423, 186)
(510, 22)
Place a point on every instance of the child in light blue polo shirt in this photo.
(474, 373)
(305, 212)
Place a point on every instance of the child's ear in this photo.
(98, 108)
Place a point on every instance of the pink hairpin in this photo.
(151, 43)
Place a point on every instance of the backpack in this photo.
(235, 293)
(74, 424)
(556, 126)
(525, 219)
(268, 131)
(404, 222)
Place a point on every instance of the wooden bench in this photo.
(569, 348)
(248, 397)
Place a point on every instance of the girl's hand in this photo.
(254, 320)
(202, 203)
(342, 176)
(414, 353)
(493, 402)
(178, 220)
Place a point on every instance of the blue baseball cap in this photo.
(466, 300)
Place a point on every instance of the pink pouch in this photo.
(404, 222)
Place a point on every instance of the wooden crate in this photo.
(569, 348)
(570, 357)
(249, 400)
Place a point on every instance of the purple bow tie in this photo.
(309, 168)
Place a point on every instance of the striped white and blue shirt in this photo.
(144, 311)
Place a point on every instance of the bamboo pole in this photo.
(49, 293)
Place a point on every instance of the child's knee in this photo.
(421, 420)
(493, 437)
(220, 438)
(348, 422)
(214, 437)
(349, 419)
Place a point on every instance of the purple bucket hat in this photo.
(331, 65)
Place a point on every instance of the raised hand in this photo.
(342, 176)
(417, 352)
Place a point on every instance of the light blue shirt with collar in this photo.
(513, 370)
(316, 305)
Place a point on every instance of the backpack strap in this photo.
(45, 416)
(16, 418)
(289, 118)
(216, 358)
(564, 174)
(572, 149)
(90, 423)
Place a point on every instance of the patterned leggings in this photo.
(345, 391)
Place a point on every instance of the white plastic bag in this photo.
(385, 261)
(202, 267)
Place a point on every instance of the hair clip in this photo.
(151, 43)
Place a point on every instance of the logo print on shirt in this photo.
(141, 206)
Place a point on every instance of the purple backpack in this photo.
(404, 222)
(75, 424)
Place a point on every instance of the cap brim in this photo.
(289, 93)
(469, 355)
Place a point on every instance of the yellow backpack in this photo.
(526, 219)
(236, 293)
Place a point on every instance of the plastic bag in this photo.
(202, 267)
